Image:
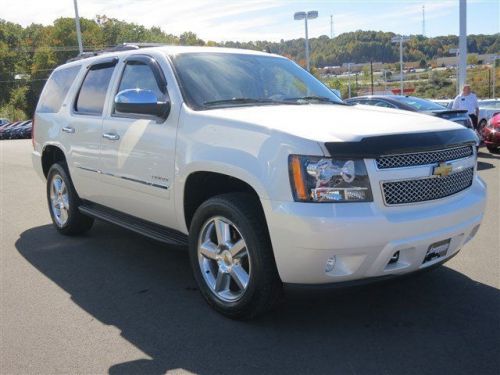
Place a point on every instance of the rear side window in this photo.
(92, 94)
(56, 89)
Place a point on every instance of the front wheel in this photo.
(232, 257)
(63, 203)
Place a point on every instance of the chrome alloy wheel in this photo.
(59, 200)
(224, 259)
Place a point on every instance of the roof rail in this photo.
(117, 48)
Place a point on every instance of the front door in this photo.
(137, 151)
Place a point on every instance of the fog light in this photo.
(330, 263)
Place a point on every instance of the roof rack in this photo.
(117, 48)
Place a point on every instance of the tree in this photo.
(423, 64)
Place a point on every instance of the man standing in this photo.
(468, 101)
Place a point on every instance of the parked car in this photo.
(5, 131)
(446, 103)
(255, 165)
(491, 133)
(16, 130)
(414, 104)
(22, 131)
(487, 109)
(4, 121)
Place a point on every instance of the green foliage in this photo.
(15, 108)
(36, 50)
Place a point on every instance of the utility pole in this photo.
(423, 20)
(371, 73)
(349, 78)
(400, 39)
(331, 26)
(462, 45)
(489, 81)
(78, 31)
(494, 74)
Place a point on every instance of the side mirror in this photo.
(142, 102)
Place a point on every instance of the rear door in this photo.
(138, 151)
(81, 135)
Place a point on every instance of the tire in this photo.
(220, 277)
(492, 149)
(63, 202)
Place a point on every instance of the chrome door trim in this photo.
(166, 187)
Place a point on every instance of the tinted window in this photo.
(56, 89)
(417, 103)
(93, 91)
(208, 77)
(139, 76)
(381, 103)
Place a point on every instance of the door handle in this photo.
(111, 136)
(68, 129)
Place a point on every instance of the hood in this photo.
(333, 123)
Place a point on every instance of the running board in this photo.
(146, 228)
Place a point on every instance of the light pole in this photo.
(495, 58)
(78, 31)
(298, 16)
(400, 39)
(462, 45)
(456, 51)
(349, 78)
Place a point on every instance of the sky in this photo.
(245, 20)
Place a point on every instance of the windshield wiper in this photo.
(244, 101)
(322, 99)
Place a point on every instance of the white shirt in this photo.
(467, 102)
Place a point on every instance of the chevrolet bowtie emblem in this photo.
(442, 170)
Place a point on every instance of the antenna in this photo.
(331, 26)
(423, 20)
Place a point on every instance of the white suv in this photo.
(256, 165)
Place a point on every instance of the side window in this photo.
(56, 89)
(137, 75)
(381, 103)
(93, 91)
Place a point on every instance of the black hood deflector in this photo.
(374, 147)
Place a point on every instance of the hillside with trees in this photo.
(29, 54)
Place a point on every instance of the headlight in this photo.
(320, 179)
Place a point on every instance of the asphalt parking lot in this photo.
(113, 301)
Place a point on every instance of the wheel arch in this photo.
(51, 153)
(200, 185)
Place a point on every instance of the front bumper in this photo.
(361, 238)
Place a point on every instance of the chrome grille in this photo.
(423, 158)
(426, 189)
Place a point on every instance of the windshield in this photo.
(418, 104)
(493, 104)
(211, 80)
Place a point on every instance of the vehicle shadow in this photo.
(488, 155)
(481, 166)
(436, 322)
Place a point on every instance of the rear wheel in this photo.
(492, 149)
(232, 257)
(63, 202)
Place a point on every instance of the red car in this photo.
(491, 133)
